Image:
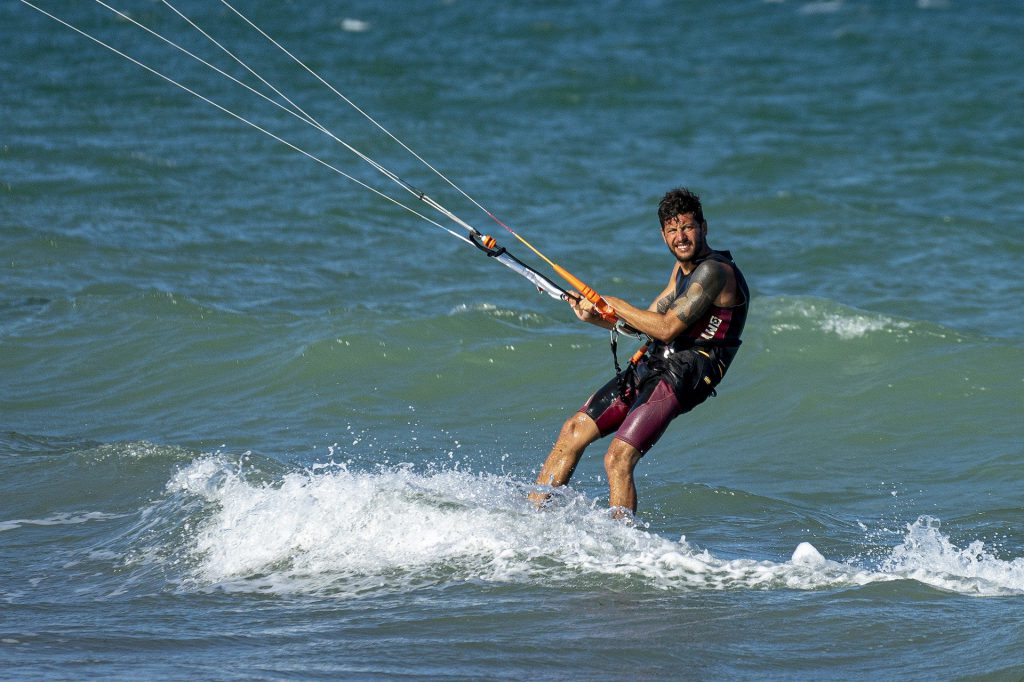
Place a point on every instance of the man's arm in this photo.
(585, 310)
(706, 284)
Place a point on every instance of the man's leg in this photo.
(655, 407)
(577, 433)
(619, 463)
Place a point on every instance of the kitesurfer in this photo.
(695, 325)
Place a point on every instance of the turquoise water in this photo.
(257, 422)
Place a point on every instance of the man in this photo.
(695, 325)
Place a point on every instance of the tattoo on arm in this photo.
(706, 284)
(664, 304)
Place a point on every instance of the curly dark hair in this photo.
(677, 202)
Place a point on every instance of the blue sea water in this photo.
(256, 422)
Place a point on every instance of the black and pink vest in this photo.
(718, 327)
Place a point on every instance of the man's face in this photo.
(684, 237)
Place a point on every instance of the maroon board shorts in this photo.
(638, 411)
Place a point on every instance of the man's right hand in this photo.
(586, 311)
(583, 308)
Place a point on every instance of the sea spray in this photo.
(332, 528)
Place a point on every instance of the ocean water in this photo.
(256, 422)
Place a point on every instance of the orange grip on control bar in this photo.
(603, 309)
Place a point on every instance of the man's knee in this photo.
(621, 458)
(580, 428)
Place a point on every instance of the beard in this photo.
(699, 247)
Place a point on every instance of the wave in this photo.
(60, 519)
(333, 530)
(928, 556)
(805, 314)
(204, 350)
(85, 480)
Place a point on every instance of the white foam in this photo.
(822, 7)
(853, 326)
(846, 324)
(355, 25)
(493, 311)
(928, 556)
(343, 530)
(348, 532)
(62, 519)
